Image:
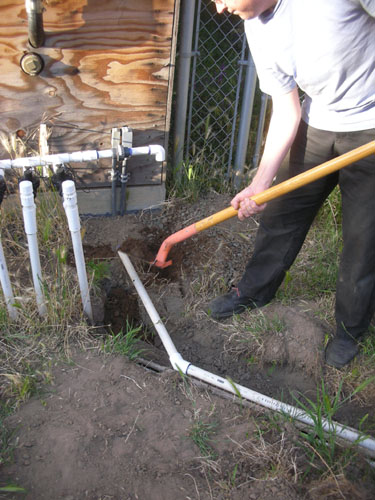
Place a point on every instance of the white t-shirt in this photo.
(327, 48)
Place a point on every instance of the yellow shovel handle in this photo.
(293, 183)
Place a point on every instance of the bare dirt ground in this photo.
(108, 428)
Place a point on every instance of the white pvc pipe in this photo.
(6, 285)
(76, 157)
(72, 214)
(179, 364)
(174, 357)
(29, 217)
(79, 157)
(153, 149)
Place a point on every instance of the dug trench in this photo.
(277, 351)
(109, 428)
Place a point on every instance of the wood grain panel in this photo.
(107, 64)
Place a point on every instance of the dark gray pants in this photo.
(286, 221)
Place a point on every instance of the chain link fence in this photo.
(220, 57)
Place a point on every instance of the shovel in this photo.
(265, 196)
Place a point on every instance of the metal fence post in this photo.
(261, 123)
(245, 122)
(185, 55)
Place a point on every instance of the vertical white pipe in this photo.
(6, 286)
(71, 210)
(29, 217)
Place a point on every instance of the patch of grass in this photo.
(28, 344)
(267, 455)
(201, 433)
(320, 443)
(124, 343)
(249, 331)
(21, 387)
(368, 348)
(7, 445)
(99, 270)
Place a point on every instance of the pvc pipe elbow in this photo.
(152, 149)
(158, 151)
(178, 363)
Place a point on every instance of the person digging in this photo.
(325, 50)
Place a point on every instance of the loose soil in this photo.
(108, 428)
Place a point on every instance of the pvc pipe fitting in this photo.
(29, 216)
(70, 205)
(29, 209)
(178, 363)
(79, 157)
(72, 214)
(152, 149)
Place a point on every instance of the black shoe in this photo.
(229, 304)
(340, 351)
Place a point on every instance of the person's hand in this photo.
(245, 206)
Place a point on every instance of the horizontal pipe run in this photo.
(79, 157)
(341, 431)
(56, 159)
(265, 196)
(367, 444)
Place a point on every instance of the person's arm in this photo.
(286, 115)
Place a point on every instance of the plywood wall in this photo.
(107, 63)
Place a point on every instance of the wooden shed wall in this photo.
(107, 64)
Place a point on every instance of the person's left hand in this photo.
(245, 206)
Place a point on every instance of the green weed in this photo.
(368, 348)
(236, 391)
(124, 343)
(99, 271)
(12, 488)
(320, 443)
(233, 476)
(6, 437)
(21, 386)
(201, 433)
